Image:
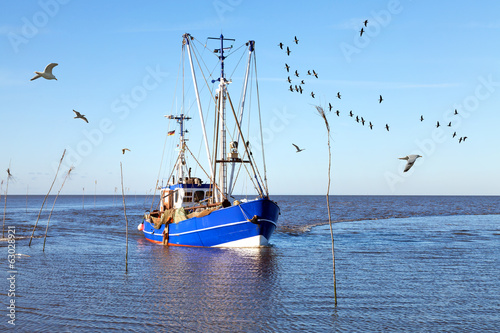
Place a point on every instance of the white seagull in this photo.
(411, 160)
(47, 73)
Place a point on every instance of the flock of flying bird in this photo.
(298, 88)
(47, 74)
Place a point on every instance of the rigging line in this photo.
(248, 132)
(161, 165)
(203, 45)
(260, 122)
(202, 73)
(242, 138)
(238, 173)
(250, 156)
(211, 72)
(168, 128)
(208, 176)
(173, 169)
(239, 61)
(242, 88)
(236, 50)
(248, 135)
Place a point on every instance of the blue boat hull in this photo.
(249, 224)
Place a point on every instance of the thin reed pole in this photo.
(9, 176)
(126, 221)
(322, 114)
(27, 190)
(44, 199)
(53, 205)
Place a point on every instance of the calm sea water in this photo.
(414, 264)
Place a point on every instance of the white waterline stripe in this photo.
(220, 226)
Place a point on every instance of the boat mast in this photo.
(181, 161)
(222, 93)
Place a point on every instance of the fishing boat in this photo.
(203, 211)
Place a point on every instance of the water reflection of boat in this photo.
(193, 212)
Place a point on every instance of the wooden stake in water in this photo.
(322, 114)
(47, 228)
(27, 190)
(9, 176)
(126, 221)
(44, 199)
(1, 189)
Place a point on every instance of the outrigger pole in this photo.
(251, 47)
(187, 39)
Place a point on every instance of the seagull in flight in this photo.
(365, 22)
(421, 118)
(338, 113)
(123, 150)
(288, 51)
(47, 73)
(437, 125)
(79, 115)
(456, 112)
(387, 127)
(315, 74)
(338, 95)
(296, 40)
(280, 45)
(361, 32)
(287, 67)
(297, 147)
(380, 99)
(410, 161)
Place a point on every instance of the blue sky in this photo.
(424, 57)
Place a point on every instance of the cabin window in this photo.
(176, 196)
(188, 199)
(198, 196)
(188, 194)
